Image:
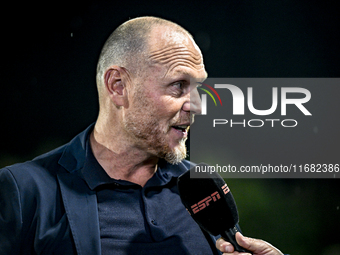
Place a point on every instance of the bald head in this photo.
(147, 82)
(128, 46)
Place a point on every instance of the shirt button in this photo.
(153, 222)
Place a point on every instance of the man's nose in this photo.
(193, 105)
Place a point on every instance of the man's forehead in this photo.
(174, 52)
(171, 50)
(165, 35)
(166, 40)
(178, 61)
(194, 77)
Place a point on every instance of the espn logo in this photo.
(206, 201)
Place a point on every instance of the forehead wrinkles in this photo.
(173, 56)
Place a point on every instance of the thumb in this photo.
(255, 245)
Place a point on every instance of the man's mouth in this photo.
(182, 128)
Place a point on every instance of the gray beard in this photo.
(148, 135)
(177, 155)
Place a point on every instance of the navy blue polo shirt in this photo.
(146, 220)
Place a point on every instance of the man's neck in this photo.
(121, 161)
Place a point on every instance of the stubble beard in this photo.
(148, 134)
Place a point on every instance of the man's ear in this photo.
(115, 86)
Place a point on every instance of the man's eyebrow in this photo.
(187, 74)
(204, 78)
(201, 80)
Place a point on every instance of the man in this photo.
(112, 189)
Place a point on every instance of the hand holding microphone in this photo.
(211, 204)
(256, 246)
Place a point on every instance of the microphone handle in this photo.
(229, 236)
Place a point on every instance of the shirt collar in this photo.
(92, 172)
(95, 176)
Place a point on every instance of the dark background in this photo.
(48, 91)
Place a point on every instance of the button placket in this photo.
(149, 215)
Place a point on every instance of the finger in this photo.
(236, 253)
(250, 244)
(224, 246)
(256, 245)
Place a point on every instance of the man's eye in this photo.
(178, 85)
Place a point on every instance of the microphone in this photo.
(210, 203)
